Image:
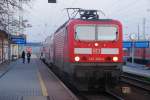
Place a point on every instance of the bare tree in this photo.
(8, 10)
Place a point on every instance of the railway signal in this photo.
(51, 1)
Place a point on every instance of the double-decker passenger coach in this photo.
(88, 50)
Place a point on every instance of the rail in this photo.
(136, 81)
(117, 97)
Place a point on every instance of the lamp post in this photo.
(133, 38)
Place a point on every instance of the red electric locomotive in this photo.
(88, 50)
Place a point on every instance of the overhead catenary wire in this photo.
(123, 9)
(135, 13)
(61, 16)
(127, 13)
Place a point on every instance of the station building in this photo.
(4, 46)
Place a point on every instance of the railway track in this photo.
(108, 94)
(99, 96)
(136, 84)
(117, 97)
(139, 89)
(136, 81)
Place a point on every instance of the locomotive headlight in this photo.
(77, 58)
(96, 44)
(115, 59)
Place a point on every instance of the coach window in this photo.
(85, 32)
(107, 33)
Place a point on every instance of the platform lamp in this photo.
(51, 1)
(133, 38)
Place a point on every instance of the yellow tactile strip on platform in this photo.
(43, 87)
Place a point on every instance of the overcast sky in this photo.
(47, 17)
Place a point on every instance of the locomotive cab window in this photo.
(98, 33)
(107, 33)
(85, 32)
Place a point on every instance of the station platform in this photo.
(137, 69)
(33, 81)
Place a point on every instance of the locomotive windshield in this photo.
(85, 32)
(107, 33)
(93, 32)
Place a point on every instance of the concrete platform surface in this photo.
(33, 81)
(137, 70)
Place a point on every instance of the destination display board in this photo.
(18, 40)
(127, 44)
(141, 44)
(137, 44)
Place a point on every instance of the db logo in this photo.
(95, 51)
